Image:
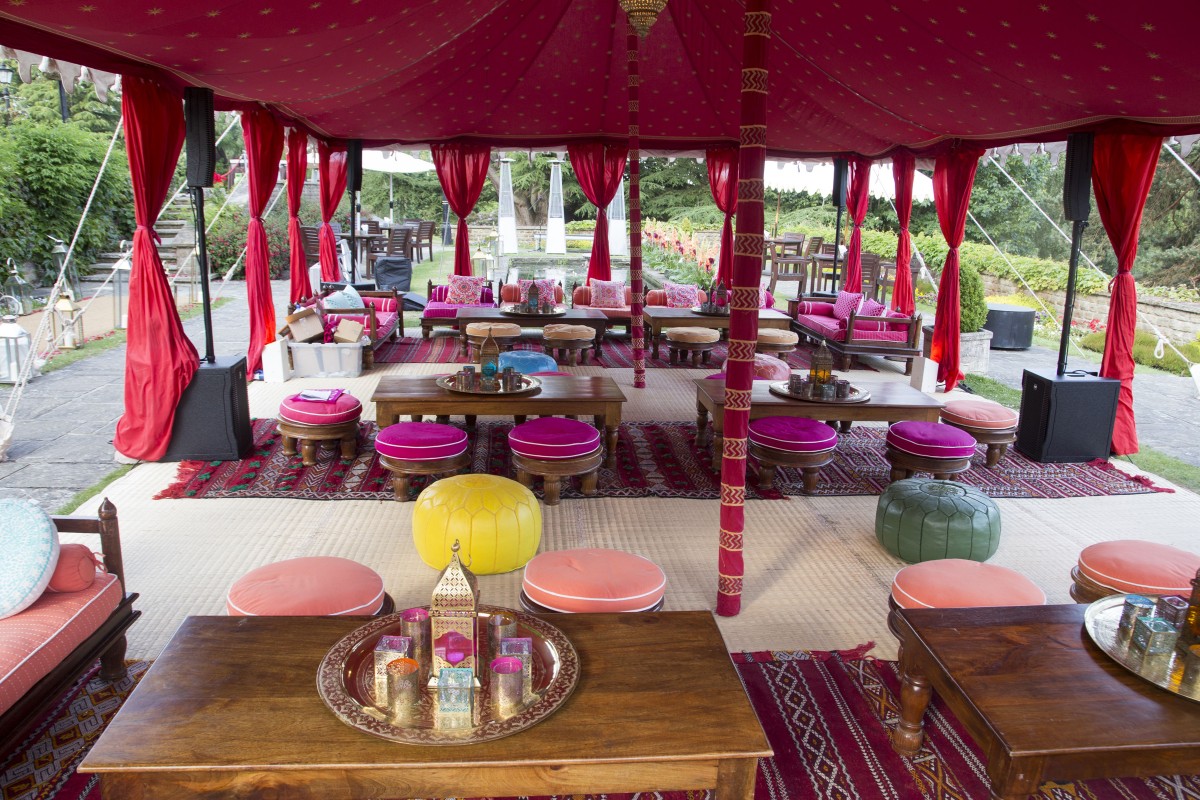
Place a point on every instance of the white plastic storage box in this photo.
(326, 360)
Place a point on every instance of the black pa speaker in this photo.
(1077, 183)
(354, 165)
(212, 420)
(1066, 418)
(841, 169)
(201, 136)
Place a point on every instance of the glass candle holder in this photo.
(500, 627)
(414, 623)
(507, 690)
(828, 391)
(403, 689)
(842, 390)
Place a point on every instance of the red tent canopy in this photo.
(862, 77)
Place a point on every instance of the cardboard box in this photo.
(924, 375)
(326, 360)
(306, 325)
(348, 331)
(276, 361)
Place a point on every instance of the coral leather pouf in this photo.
(593, 580)
(497, 522)
(321, 586)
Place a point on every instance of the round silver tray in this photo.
(528, 384)
(856, 395)
(701, 312)
(345, 681)
(1101, 621)
(520, 311)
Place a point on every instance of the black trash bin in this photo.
(393, 272)
(1011, 326)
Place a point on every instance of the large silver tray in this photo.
(521, 311)
(1165, 671)
(528, 384)
(856, 395)
(345, 681)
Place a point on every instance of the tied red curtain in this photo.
(297, 168)
(904, 168)
(856, 204)
(599, 168)
(723, 182)
(1123, 168)
(331, 160)
(953, 177)
(462, 169)
(263, 136)
(159, 359)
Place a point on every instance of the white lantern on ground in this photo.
(15, 344)
(67, 321)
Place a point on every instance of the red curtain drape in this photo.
(599, 168)
(904, 168)
(856, 204)
(636, 322)
(159, 358)
(331, 160)
(263, 137)
(722, 181)
(953, 177)
(462, 169)
(1123, 168)
(297, 169)
(743, 321)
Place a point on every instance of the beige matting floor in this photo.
(815, 576)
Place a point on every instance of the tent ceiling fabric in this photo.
(861, 77)
(818, 179)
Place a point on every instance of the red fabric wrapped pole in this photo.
(297, 168)
(331, 164)
(159, 358)
(904, 168)
(723, 182)
(856, 203)
(1123, 167)
(599, 168)
(636, 288)
(462, 169)
(953, 177)
(263, 136)
(743, 322)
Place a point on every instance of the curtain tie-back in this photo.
(149, 229)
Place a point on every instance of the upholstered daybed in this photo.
(852, 333)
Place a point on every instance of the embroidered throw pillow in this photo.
(29, 542)
(847, 303)
(872, 308)
(682, 295)
(545, 289)
(346, 297)
(608, 294)
(465, 289)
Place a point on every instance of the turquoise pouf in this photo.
(921, 520)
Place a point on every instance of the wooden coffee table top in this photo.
(238, 694)
(884, 394)
(555, 388)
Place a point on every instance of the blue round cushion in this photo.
(29, 542)
(528, 361)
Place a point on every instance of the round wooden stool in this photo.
(505, 334)
(989, 423)
(568, 343)
(591, 580)
(796, 442)
(776, 341)
(916, 446)
(554, 448)
(1132, 566)
(420, 448)
(694, 343)
(309, 422)
(961, 583)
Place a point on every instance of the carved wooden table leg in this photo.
(701, 423)
(915, 694)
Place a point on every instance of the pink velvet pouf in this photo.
(918, 446)
(307, 423)
(421, 448)
(805, 444)
(554, 448)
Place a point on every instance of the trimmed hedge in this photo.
(972, 300)
(1143, 352)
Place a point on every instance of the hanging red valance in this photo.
(856, 203)
(159, 358)
(462, 169)
(599, 168)
(904, 168)
(331, 160)
(263, 137)
(297, 170)
(723, 183)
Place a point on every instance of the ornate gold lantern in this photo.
(821, 369)
(452, 616)
(642, 13)
(489, 353)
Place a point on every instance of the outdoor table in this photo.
(826, 273)
(363, 247)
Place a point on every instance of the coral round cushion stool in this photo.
(592, 580)
(959, 583)
(318, 586)
(307, 422)
(1131, 566)
(796, 442)
(694, 342)
(554, 448)
(496, 521)
(420, 448)
(918, 446)
(777, 341)
(528, 362)
(921, 520)
(988, 423)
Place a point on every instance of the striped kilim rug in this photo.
(828, 717)
(653, 460)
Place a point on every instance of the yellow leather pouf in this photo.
(497, 522)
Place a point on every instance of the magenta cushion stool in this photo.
(308, 422)
(592, 580)
(421, 448)
(318, 586)
(988, 423)
(553, 448)
(917, 446)
(1132, 566)
(805, 444)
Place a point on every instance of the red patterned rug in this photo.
(828, 717)
(653, 460)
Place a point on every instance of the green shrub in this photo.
(1041, 274)
(972, 299)
(227, 239)
(1144, 343)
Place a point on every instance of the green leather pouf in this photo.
(921, 520)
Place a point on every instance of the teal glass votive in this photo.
(1153, 635)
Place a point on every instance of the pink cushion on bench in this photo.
(793, 434)
(307, 412)
(1138, 567)
(592, 580)
(962, 583)
(420, 441)
(320, 586)
(553, 438)
(382, 305)
(979, 414)
(439, 310)
(931, 439)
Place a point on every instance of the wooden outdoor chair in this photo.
(398, 243)
(870, 274)
(788, 263)
(885, 282)
(311, 242)
(425, 233)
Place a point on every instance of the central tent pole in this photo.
(636, 329)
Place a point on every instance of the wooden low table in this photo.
(890, 402)
(231, 709)
(660, 318)
(591, 317)
(1039, 698)
(580, 395)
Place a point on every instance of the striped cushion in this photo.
(979, 414)
(931, 440)
(593, 580)
(1138, 567)
(554, 438)
(961, 583)
(420, 441)
(319, 586)
(793, 434)
(307, 412)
